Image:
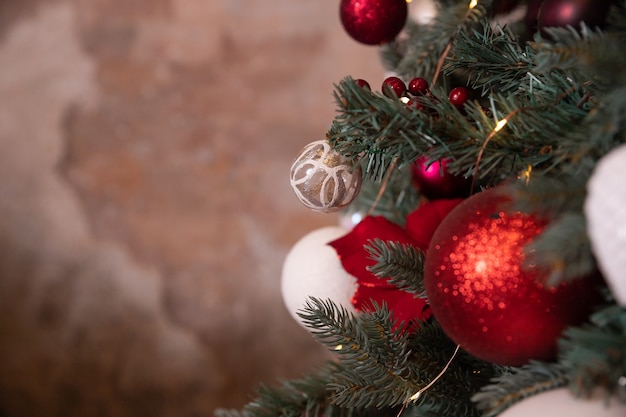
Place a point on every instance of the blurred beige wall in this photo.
(145, 207)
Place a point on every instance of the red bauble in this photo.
(373, 22)
(434, 181)
(393, 87)
(484, 297)
(458, 96)
(562, 13)
(418, 86)
(363, 84)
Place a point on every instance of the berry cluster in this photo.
(431, 178)
(394, 87)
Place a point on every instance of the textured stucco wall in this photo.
(145, 209)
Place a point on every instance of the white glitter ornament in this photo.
(562, 403)
(323, 179)
(605, 210)
(313, 269)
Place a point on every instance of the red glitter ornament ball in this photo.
(373, 22)
(484, 296)
(434, 181)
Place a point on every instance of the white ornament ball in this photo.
(323, 179)
(605, 210)
(313, 269)
(562, 403)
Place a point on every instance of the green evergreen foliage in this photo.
(545, 110)
(595, 354)
(402, 264)
(383, 366)
(519, 383)
(396, 200)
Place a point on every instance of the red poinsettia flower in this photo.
(370, 290)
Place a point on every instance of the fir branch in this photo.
(492, 59)
(563, 250)
(602, 130)
(372, 350)
(596, 353)
(583, 54)
(399, 197)
(548, 196)
(402, 264)
(518, 384)
(451, 394)
(308, 396)
(425, 45)
(371, 127)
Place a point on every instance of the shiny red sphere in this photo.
(363, 84)
(484, 296)
(373, 22)
(393, 87)
(434, 181)
(418, 86)
(458, 96)
(561, 13)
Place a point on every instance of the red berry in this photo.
(363, 84)
(395, 85)
(418, 86)
(459, 96)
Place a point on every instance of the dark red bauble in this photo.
(484, 296)
(418, 86)
(434, 181)
(373, 22)
(458, 96)
(363, 84)
(396, 85)
(562, 13)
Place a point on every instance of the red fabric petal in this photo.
(370, 290)
(365, 297)
(422, 223)
(355, 258)
(407, 309)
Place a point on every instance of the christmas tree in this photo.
(486, 273)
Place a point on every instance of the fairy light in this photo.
(500, 125)
(473, 4)
(526, 174)
(419, 393)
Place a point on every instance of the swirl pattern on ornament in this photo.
(323, 179)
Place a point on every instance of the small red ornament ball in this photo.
(363, 84)
(393, 87)
(561, 13)
(373, 22)
(418, 86)
(434, 181)
(458, 96)
(484, 297)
